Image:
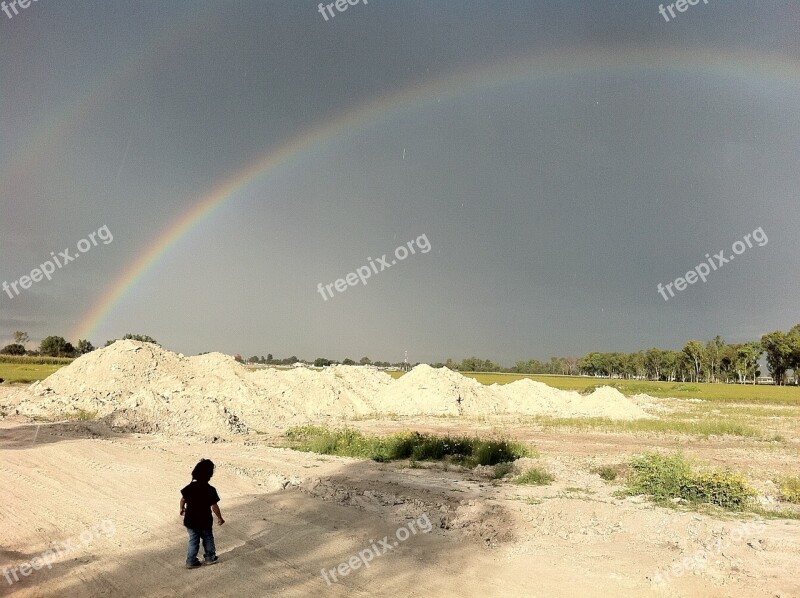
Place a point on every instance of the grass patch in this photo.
(347, 442)
(689, 427)
(790, 489)
(607, 472)
(80, 415)
(535, 477)
(665, 478)
(27, 372)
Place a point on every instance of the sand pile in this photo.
(142, 387)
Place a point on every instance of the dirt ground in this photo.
(113, 499)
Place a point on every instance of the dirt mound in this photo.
(143, 387)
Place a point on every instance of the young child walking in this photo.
(198, 500)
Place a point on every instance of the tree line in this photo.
(712, 361)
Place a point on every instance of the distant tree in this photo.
(269, 358)
(109, 343)
(778, 346)
(321, 362)
(694, 352)
(365, 361)
(348, 361)
(56, 346)
(238, 358)
(13, 349)
(21, 338)
(84, 347)
(143, 338)
(253, 359)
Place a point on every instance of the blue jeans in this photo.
(195, 535)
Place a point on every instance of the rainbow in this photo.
(589, 61)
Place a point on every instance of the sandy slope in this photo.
(291, 514)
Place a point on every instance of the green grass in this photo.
(690, 427)
(664, 478)
(347, 442)
(535, 477)
(790, 489)
(26, 372)
(787, 395)
(608, 473)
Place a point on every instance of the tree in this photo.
(694, 351)
(21, 338)
(321, 362)
(348, 361)
(56, 346)
(84, 347)
(13, 349)
(269, 358)
(778, 346)
(253, 359)
(654, 363)
(140, 337)
(365, 361)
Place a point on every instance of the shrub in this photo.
(725, 489)
(659, 476)
(536, 476)
(608, 473)
(664, 478)
(790, 489)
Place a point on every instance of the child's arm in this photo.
(183, 506)
(218, 513)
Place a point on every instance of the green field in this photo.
(785, 395)
(26, 372)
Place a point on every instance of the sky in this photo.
(551, 164)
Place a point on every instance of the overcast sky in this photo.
(561, 158)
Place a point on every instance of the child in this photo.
(197, 498)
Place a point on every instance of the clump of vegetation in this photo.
(607, 472)
(665, 478)
(536, 476)
(790, 489)
(346, 442)
(501, 470)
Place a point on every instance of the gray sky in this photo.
(562, 159)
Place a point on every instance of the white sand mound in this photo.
(142, 387)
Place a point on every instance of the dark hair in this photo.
(203, 471)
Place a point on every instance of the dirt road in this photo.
(290, 515)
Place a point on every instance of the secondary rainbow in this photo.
(634, 60)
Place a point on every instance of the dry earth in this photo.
(289, 515)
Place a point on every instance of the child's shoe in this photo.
(212, 561)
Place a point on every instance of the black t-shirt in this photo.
(199, 497)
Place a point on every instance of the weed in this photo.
(790, 489)
(608, 473)
(664, 478)
(536, 477)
